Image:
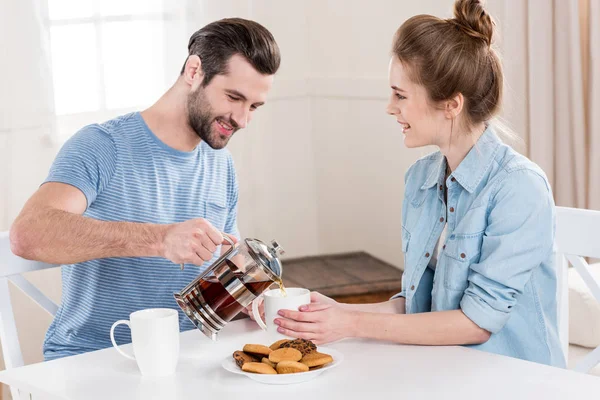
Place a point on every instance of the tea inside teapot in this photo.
(230, 284)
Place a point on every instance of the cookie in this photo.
(278, 344)
(258, 368)
(266, 361)
(304, 346)
(241, 358)
(290, 367)
(257, 350)
(285, 354)
(316, 359)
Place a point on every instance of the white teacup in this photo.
(274, 301)
(155, 339)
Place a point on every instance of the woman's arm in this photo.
(324, 323)
(431, 328)
(394, 306)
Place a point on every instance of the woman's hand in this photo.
(322, 321)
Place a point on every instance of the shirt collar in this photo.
(473, 167)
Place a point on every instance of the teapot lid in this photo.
(267, 256)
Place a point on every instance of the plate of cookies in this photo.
(283, 362)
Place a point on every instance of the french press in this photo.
(230, 284)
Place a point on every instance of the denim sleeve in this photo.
(404, 243)
(86, 161)
(518, 238)
(402, 291)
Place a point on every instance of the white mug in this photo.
(155, 339)
(274, 302)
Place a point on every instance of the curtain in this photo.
(594, 104)
(553, 88)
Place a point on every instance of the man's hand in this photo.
(192, 242)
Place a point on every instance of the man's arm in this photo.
(50, 228)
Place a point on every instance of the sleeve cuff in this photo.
(397, 295)
(88, 190)
(478, 311)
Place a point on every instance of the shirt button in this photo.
(412, 287)
(451, 209)
(442, 219)
(444, 247)
(453, 179)
(426, 254)
(462, 255)
(441, 187)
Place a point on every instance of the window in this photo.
(110, 57)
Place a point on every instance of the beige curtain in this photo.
(553, 83)
(594, 104)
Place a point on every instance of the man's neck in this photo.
(167, 119)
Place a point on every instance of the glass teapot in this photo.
(230, 284)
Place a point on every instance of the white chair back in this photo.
(11, 268)
(577, 237)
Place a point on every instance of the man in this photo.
(129, 200)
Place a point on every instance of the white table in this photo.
(379, 370)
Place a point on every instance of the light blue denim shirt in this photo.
(496, 263)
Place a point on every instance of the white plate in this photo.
(285, 379)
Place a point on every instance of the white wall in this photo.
(361, 159)
(274, 157)
(26, 151)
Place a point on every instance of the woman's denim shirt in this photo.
(496, 263)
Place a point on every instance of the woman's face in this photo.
(421, 123)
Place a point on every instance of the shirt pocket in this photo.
(215, 211)
(461, 251)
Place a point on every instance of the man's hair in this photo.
(218, 41)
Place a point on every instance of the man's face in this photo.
(217, 111)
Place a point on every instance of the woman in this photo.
(478, 218)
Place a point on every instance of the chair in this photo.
(11, 268)
(577, 237)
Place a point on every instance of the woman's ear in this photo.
(454, 106)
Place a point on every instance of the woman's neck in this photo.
(460, 144)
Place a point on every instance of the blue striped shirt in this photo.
(127, 174)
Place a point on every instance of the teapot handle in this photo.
(228, 240)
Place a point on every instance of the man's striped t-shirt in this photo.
(127, 174)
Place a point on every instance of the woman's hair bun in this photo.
(471, 17)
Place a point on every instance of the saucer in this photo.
(286, 379)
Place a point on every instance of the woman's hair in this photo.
(451, 56)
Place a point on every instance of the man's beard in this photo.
(201, 119)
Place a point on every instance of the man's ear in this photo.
(454, 106)
(192, 72)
